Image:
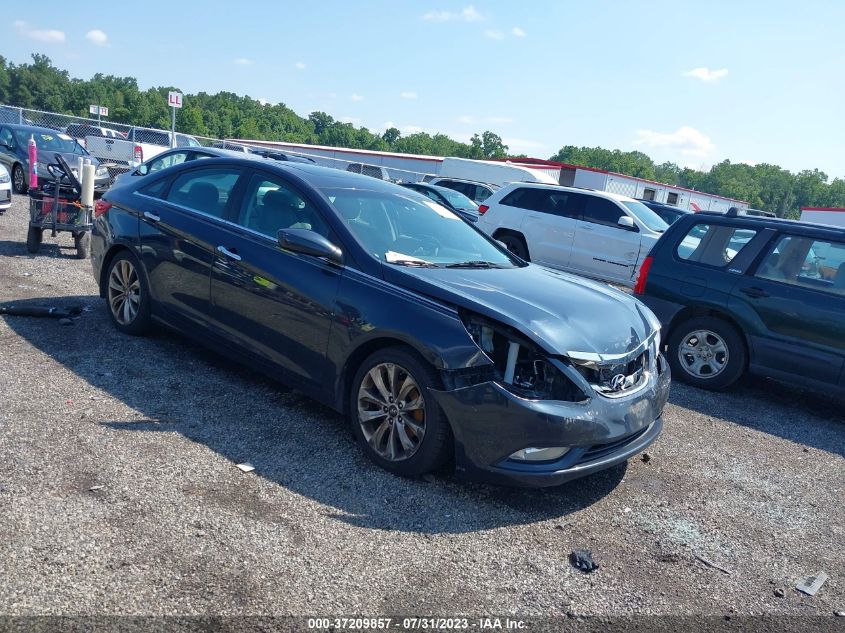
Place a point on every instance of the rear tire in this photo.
(127, 284)
(516, 245)
(82, 241)
(706, 352)
(394, 415)
(33, 239)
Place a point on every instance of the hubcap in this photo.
(18, 175)
(703, 354)
(124, 292)
(391, 412)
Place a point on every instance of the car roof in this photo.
(590, 192)
(473, 182)
(315, 175)
(663, 205)
(763, 222)
(31, 128)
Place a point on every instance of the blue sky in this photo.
(690, 82)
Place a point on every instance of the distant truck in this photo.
(492, 172)
(139, 145)
(834, 216)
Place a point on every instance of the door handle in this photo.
(227, 253)
(754, 292)
(152, 217)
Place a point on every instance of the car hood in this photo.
(562, 313)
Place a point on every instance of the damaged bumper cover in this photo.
(490, 423)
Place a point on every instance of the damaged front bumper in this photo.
(490, 424)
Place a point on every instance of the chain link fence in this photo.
(120, 147)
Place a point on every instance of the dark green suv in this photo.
(738, 293)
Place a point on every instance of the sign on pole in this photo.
(174, 100)
(99, 110)
(104, 111)
(93, 109)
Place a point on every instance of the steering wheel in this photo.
(428, 240)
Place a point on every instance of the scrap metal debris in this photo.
(712, 565)
(51, 312)
(811, 584)
(246, 467)
(583, 559)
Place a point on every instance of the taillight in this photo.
(101, 207)
(139, 154)
(639, 287)
(482, 209)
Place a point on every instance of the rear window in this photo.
(206, 190)
(713, 244)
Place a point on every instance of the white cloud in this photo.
(705, 74)
(408, 95)
(466, 119)
(467, 14)
(46, 35)
(299, 65)
(686, 140)
(97, 37)
(351, 119)
(263, 101)
(410, 129)
(494, 35)
(388, 124)
(243, 61)
(357, 98)
(518, 32)
(499, 119)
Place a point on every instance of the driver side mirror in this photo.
(627, 223)
(308, 242)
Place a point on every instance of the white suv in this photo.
(592, 233)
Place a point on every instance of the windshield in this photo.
(646, 216)
(409, 231)
(50, 142)
(457, 199)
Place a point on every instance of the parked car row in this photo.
(14, 153)
(438, 344)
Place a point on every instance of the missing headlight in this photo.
(519, 364)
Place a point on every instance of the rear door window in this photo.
(804, 261)
(524, 198)
(205, 190)
(163, 162)
(713, 244)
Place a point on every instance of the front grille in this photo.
(597, 451)
(614, 379)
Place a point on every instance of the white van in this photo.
(490, 171)
(593, 233)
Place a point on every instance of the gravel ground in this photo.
(119, 492)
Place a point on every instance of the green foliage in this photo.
(763, 186)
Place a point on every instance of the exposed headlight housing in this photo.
(4, 174)
(520, 366)
(101, 172)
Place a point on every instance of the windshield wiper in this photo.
(412, 262)
(477, 263)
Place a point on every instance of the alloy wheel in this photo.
(703, 354)
(391, 412)
(17, 177)
(124, 292)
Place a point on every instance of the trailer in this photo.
(833, 216)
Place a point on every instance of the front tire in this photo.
(706, 352)
(34, 236)
(18, 179)
(516, 245)
(127, 295)
(394, 416)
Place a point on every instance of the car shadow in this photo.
(798, 415)
(60, 247)
(291, 440)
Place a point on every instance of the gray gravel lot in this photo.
(752, 480)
